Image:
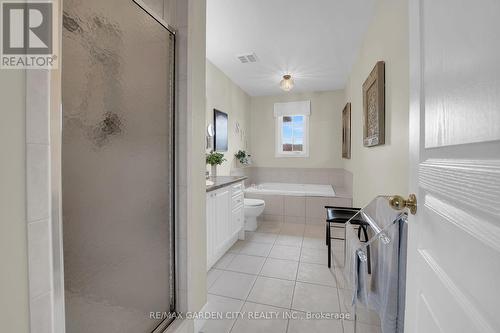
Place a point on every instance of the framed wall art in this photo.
(374, 107)
(346, 131)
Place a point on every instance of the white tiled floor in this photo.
(271, 291)
(281, 269)
(285, 252)
(246, 264)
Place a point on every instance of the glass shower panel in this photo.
(117, 167)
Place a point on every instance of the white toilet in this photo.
(253, 208)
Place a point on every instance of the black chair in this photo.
(341, 215)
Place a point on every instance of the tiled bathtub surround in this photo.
(340, 179)
(295, 209)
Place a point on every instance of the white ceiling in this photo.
(317, 41)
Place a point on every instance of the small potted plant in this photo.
(243, 157)
(214, 159)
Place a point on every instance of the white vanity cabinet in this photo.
(225, 217)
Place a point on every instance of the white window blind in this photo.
(301, 108)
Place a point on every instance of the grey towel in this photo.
(382, 291)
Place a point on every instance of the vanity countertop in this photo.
(221, 181)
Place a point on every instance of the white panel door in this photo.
(454, 239)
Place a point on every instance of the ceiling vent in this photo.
(247, 58)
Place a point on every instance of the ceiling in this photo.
(317, 41)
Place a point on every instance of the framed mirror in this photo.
(221, 134)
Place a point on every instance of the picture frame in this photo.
(374, 107)
(346, 131)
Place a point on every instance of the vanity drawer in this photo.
(237, 189)
(237, 201)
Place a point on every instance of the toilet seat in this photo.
(253, 202)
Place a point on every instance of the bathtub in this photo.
(301, 190)
(295, 203)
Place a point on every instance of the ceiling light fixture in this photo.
(287, 83)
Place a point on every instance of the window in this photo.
(292, 132)
(292, 135)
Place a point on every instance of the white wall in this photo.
(324, 130)
(382, 169)
(194, 108)
(14, 314)
(224, 95)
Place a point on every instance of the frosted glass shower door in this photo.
(117, 167)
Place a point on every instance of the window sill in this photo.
(291, 155)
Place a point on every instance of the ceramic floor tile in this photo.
(246, 264)
(289, 240)
(219, 304)
(300, 323)
(360, 327)
(271, 291)
(314, 243)
(260, 237)
(318, 274)
(213, 275)
(285, 252)
(233, 284)
(269, 227)
(256, 249)
(315, 231)
(281, 269)
(224, 261)
(249, 324)
(314, 256)
(236, 248)
(315, 298)
(292, 229)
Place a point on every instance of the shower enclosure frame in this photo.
(173, 258)
(47, 84)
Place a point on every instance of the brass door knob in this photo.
(399, 203)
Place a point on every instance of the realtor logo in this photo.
(27, 34)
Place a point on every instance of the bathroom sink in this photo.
(209, 182)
